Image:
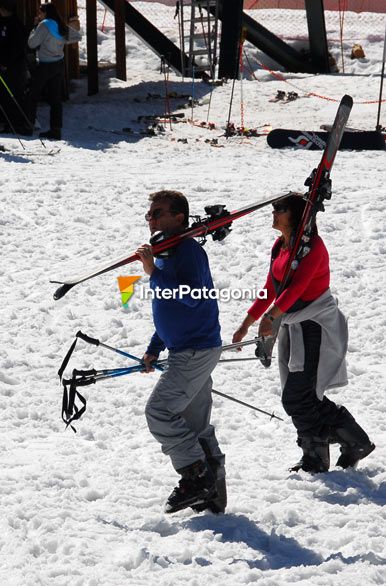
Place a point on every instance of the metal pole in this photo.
(272, 415)
(378, 126)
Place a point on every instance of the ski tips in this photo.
(347, 99)
(61, 291)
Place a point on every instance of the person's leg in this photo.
(186, 375)
(310, 416)
(15, 78)
(55, 88)
(317, 420)
(197, 415)
(354, 441)
(38, 82)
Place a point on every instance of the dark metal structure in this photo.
(317, 36)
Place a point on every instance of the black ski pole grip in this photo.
(87, 339)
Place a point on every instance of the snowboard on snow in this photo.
(280, 138)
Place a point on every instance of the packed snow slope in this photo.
(86, 509)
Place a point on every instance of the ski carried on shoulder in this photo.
(319, 184)
(217, 223)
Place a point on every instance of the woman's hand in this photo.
(265, 327)
(240, 333)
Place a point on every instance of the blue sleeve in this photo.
(191, 265)
(156, 345)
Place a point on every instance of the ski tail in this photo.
(319, 189)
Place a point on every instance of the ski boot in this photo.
(354, 441)
(52, 134)
(316, 455)
(197, 486)
(291, 96)
(219, 503)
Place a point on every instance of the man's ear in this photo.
(181, 217)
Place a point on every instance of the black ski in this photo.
(217, 223)
(319, 184)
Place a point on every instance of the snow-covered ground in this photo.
(86, 509)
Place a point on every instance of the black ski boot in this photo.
(52, 134)
(316, 455)
(197, 486)
(355, 443)
(217, 504)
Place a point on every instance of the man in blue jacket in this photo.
(178, 410)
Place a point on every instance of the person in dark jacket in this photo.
(49, 38)
(312, 345)
(13, 67)
(179, 408)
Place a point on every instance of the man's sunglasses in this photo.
(280, 208)
(157, 213)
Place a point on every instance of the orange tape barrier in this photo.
(282, 78)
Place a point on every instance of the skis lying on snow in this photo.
(153, 130)
(34, 153)
(280, 138)
(217, 223)
(319, 183)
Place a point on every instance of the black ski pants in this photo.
(16, 80)
(49, 77)
(310, 416)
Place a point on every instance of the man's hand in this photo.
(145, 254)
(148, 359)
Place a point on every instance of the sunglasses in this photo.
(156, 214)
(280, 208)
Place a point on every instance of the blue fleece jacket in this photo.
(184, 322)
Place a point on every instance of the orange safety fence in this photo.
(283, 79)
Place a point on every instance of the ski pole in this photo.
(241, 75)
(378, 126)
(240, 344)
(210, 101)
(80, 378)
(30, 125)
(96, 342)
(230, 109)
(165, 70)
(193, 91)
(272, 415)
(11, 126)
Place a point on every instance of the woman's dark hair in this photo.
(296, 205)
(51, 11)
(9, 5)
(178, 202)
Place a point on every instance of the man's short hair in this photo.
(178, 202)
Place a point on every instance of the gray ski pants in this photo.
(179, 408)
